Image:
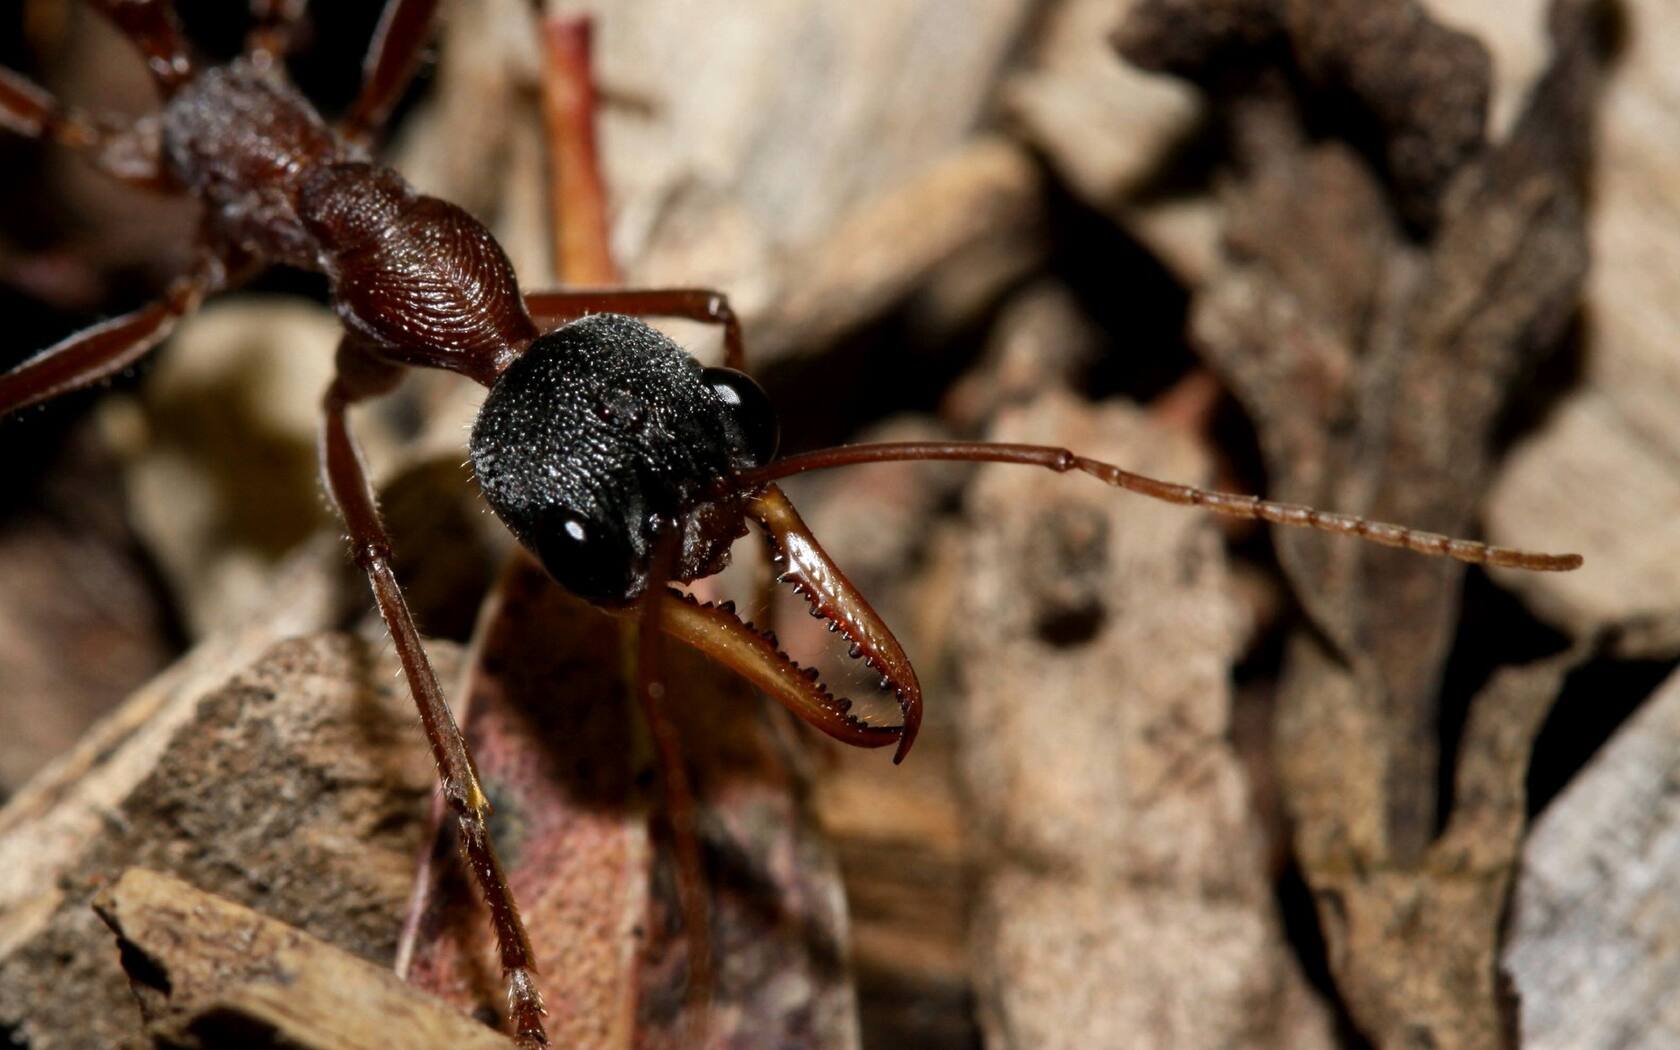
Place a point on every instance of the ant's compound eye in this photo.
(749, 406)
(593, 561)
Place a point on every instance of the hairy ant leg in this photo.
(392, 58)
(681, 809)
(105, 350)
(1232, 505)
(689, 304)
(577, 190)
(361, 376)
(272, 25)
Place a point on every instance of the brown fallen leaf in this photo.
(560, 748)
(1376, 369)
(1599, 471)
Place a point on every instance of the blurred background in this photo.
(1183, 782)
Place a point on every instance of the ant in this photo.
(619, 461)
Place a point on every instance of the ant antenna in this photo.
(1229, 504)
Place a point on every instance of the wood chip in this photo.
(296, 786)
(1123, 899)
(210, 974)
(1591, 951)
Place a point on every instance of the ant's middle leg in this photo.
(681, 808)
(98, 353)
(549, 309)
(360, 376)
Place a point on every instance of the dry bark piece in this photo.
(296, 785)
(560, 749)
(1424, 85)
(1414, 946)
(978, 202)
(1124, 900)
(210, 974)
(1600, 471)
(65, 810)
(1591, 953)
(1375, 380)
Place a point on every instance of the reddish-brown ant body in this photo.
(610, 453)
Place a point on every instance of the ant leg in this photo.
(272, 24)
(29, 110)
(1062, 460)
(100, 352)
(681, 810)
(577, 191)
(360, 377)
(549, 309)
(393, 56)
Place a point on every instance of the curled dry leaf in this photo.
(1376, 370)
(1424, 85)
(1601, 466)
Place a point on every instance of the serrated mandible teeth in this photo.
(831, 597)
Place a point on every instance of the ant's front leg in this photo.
(105, 350)
(361, 376)
(550, 309)
(681, 808)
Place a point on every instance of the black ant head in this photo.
(603, 437)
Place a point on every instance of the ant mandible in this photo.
(609, 452)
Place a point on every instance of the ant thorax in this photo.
(242, 140)
(602, 438)
(419, 279)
